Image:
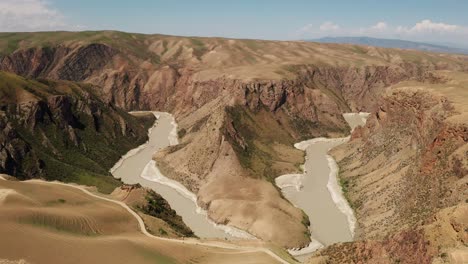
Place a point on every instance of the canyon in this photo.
(241, 105)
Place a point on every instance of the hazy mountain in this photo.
(392, 43)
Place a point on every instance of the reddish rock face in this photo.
(407, 160)
(404, 247)
(134, 83)
(438, 240)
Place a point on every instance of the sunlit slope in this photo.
(215, 57)
(46, 223)
(61, 130)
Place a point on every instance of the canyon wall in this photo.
(63, 131)
(406, 175)
(406, 163)
(441, 238)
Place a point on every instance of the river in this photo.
(137, 166)
(318, 193)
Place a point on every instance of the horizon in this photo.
(318, 40)
(418, 21)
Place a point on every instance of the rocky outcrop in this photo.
(60, 62)
(205, 162)
(407, 163)
(13, 150)
(181, 75)
(359, 88)
(63, 136)
(440, 239)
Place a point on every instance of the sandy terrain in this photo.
(54, 223)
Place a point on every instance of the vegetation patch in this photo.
(181, 133)
(346, 186)
(198, 47)
(158, 207)
(199, 124)
(308, 129)
(253, 136)
(76, 139)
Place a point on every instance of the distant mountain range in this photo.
(392, 43)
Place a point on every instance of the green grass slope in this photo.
(63, 131)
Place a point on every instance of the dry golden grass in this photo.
(46, 223)
(232, 58)
(454, 87)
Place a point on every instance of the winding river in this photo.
(318, 193)
(137, 166)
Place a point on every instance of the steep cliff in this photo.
(137, 71)
(409, 161)
(260, 121)
(405, 174)
(62, 131)
(440, 239)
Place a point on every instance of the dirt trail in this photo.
(243, 249)
(5, 192)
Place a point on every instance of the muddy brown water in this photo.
(131, 169)
(329, 224)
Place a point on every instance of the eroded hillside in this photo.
(410, 159)
(58, 130)
(405, 175)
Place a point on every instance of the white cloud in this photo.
(307, 28)
(329, 26)
(312, 30)
(380, 26)
(427, 26)
(31, 15)
(424, 30)
(427, 30)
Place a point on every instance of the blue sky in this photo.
(434, 21)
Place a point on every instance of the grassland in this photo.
(266, 150)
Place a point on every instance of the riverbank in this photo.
(319, 194)
(137, 166)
